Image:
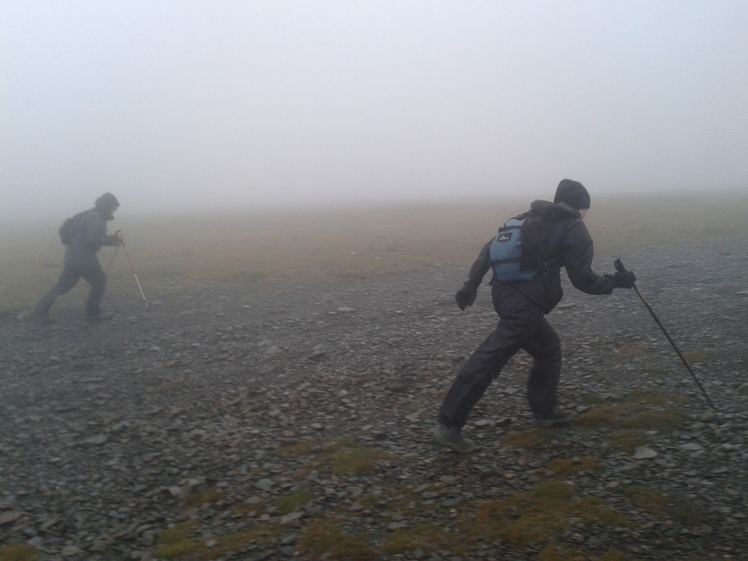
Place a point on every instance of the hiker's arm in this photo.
(95, 231)
(466, 295)
(481, 265)
(577, 254)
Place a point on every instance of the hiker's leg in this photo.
(483, 366)
(68, 278)
(96, 277)
(542, 385)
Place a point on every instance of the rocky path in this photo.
(224, 424)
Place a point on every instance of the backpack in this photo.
(66, 230)
(517, 252)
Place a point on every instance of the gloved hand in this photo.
(466, 295)
(624, 279)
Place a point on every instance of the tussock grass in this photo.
(346, 457)
(294, 501)
(426, 537)
(326, 539)
(629, 441)
(640, 410)
(574, 466)
(530, 438)
(560, 552)
(202, 497)
(698, 355)
(667, 506)
(19, 552)
(296, 450)
(253, 249)
(177, 541)
(540, 516)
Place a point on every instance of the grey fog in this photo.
(182, 105)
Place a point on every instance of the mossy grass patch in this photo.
(182, 541)
(639, 410)
(296, 450)
(561, 552)
(540, 516)
(202, 498)
(294, 501)
(574, 466)
(664, 505)
(629, 440)
(530, 438)
(427, 538)
(328, 539)
(19, 552)
(346, 457)
(700, 355)
(177, 541)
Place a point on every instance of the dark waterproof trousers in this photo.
(522, 326)
(71, 274)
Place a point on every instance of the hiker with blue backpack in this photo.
(84, 235)
(526, 257)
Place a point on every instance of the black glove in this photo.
(624, 279)
(466, 295)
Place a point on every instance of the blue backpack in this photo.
(506, 253)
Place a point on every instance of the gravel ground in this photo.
(205, 411)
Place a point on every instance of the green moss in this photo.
(590, 399)
(296, 450)
(539, 517)
(530, 438)
(202, 497)
(629, 441)
(262, 535)
(571, 467)
(558, 552)
(426, 537)
(294, 501)
(698, 356)
(176, 550)
(177, 533)
(645, 410)
(346, 457)
(664, 505)
(326, 539)
(19, 552)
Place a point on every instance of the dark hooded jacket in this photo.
(88, 236)
(569, 246)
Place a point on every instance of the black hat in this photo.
(106, 201)
(573, 194)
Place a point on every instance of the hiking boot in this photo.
(556, 418)
(452, 438)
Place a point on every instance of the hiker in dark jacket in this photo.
(88, 235)
(522, 307)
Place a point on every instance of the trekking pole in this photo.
(620, 267)
(133, 272)
(111, 261)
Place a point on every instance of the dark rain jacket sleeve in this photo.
(576, 257)
(481, 265)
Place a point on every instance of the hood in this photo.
(553, 211)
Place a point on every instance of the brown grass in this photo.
(254, 249)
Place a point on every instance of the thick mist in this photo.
(179, 106)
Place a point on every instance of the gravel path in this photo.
(257, 424)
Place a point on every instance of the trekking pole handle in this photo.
(619, 265)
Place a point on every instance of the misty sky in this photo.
(179, 104)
